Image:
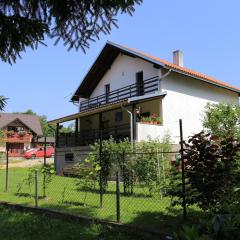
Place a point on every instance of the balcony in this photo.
(86, 137)
(150, 85)
(17, 137)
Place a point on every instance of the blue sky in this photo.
(208, 32)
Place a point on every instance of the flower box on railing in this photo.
(23, 136)
(153, 119)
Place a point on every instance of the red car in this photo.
(39, 152)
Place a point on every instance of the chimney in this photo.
(178, 58)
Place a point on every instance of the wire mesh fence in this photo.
(135, 190)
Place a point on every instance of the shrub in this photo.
(211, 170)
(88, 174)
(151, 167)
(144, 164)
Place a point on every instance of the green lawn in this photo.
(28, 226)
(64, 194)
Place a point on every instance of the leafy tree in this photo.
(48, 130)
(223, 120)
(69, 129)
(211, 169)
(3, 102)
(26, 23)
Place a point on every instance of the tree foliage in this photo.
(3, 102)
(141, 165)
(25, 23)
(211, 169)
(223, 120)
(48, 130)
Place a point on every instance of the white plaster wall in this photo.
(123, 73)
(146, 132)
(186, 98)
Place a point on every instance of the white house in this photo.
(124, 87)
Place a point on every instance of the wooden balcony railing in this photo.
(149, 86)
(18, 138)
(86, 137)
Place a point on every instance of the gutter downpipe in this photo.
(163, 76)
(130, 113)
(131, 124)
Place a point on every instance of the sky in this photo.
(208, 32)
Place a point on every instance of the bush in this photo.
(144, 164)
(211, 169)
(150, 168)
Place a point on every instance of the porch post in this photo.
(134, 121)
(100, 125)
(76, 131)
(57, 135)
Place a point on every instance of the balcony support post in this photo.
(131, 124)
(100, 124)
(57, 135)
(76, 131)
(134, 120)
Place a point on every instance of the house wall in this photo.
(146, 132)
(186, 98)
(123, 73)
(79, 153)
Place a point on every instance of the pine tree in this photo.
(26, 23)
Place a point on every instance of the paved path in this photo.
(23, 163)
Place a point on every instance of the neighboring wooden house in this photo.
(149, 88)
(21, 132)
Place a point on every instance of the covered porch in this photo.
(119, 121)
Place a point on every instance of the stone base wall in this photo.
(62, 157)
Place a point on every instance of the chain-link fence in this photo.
(134, 190)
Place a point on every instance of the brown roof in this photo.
(188, 71)
(30, 121)
(111, 51)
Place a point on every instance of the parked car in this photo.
(39, 152)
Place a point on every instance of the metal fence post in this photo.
(100, 177)
(6, 186)
(44, 164)
(183, 171)
(45, 150)
(36, 188)
(118, 195)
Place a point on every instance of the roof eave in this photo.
(75, 97)
(202, 79)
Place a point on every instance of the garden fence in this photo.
(135, 190)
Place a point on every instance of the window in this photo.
(107, 92)
(118, 116)
(139, 83)
(15, 129)
(69, 157)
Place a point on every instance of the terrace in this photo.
(87, 137)
(147, 86)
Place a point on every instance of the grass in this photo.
(28, 226)
(65, 195)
